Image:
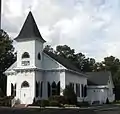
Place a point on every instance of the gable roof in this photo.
(65, 62)
(10, 69)
(30, 29)
(98, 78)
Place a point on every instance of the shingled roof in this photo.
(30, 29)
(98, 78)
(65, 62)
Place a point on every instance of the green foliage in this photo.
(44, 103)
(48, 48)
(83, 104)
(6, 51)
(65, 51)
(79, 59)
(60, 99)
(85, 64)
(69, 105)
(70, 96)
(6, 101)
(116, 77)
(1, 93)
(41, 103)
(55, 103)
(112, 64)
(6, 57)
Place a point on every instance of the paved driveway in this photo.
(45, 111)
(97, 110)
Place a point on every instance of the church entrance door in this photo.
(25, 93)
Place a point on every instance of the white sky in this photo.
(89, 26)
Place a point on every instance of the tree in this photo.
(79, 59)
(70, 95)
(48, 48)
(88, 65)
(116, 77)
(6, 57)
(111, 64)
(98, 66)
(85, 64)
(66, 52)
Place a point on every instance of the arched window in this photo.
(15, 89)
(37, 89)
(85, 91)
(78, 90)
(49, 89)
(82, 90)
(39, 56)
(25, 55)
(58, 88)
(25, 84)
(12, 89)
(54, 88)
(41, 89)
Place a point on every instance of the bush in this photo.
(55, 103)
(6, 101)
(60, 99)
(17, 101)
(41, 103)
(36, 103)
(44, 103)
(68, 105)
(70, 96)
(95, 102)
(83, 104)
(1, 93)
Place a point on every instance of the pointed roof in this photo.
(30, 29)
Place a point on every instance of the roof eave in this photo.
(30, 38)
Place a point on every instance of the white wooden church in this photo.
(39, 74)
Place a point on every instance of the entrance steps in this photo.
(20, 105)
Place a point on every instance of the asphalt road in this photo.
(95, 110)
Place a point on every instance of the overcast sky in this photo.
(88, 26)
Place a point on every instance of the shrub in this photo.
(55, 103)
(83, 104)
(1, 93)
(68, 105)
(36, 103)
(17, 101)
(41, 103)
(95, 102)
(60, 99)
(44, 103)
(5, 101)
(70, 96)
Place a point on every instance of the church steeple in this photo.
(29, 29)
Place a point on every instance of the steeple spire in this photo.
(30, 29)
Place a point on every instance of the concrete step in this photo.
(20, 106)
